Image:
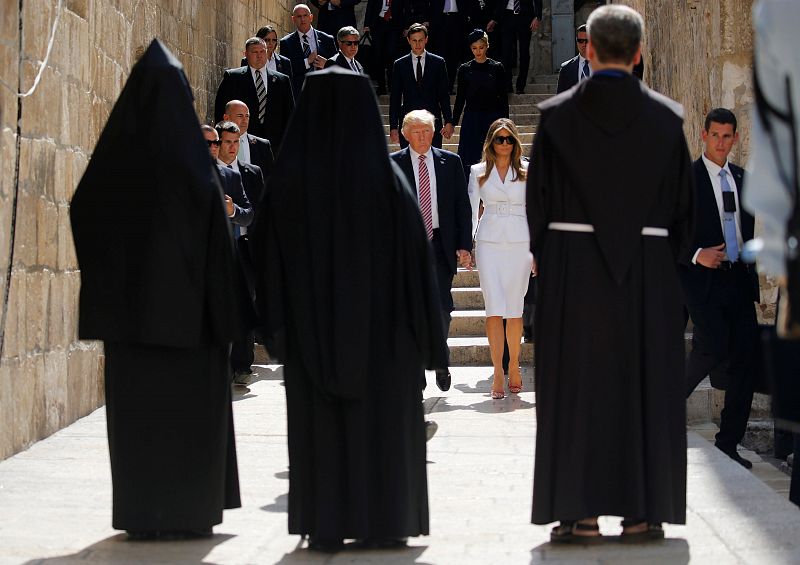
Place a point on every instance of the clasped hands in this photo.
(316, 61)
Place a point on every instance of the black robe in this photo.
(611, 424)
(347, 297)
(161, 287)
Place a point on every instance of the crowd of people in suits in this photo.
(627, 245)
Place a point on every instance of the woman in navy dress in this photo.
(481, 95)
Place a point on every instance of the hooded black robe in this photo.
(611, 424)
(161, 287)
(347, 297)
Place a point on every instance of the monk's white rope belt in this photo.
(589, 228)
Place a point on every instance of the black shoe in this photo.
(325, 545)
(520, 90)
(382, 543)
(443, 380)
(733, 454)
(430, 429)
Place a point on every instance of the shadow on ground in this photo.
(396, 556)
(672, 551)
(118, 550)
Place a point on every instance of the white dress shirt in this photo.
(429, 163)
(581, 62)
(713, 174)
(263, 71)
(312, 42)
(244, 149)
(422, 62)
(272, 63)
(450, 7)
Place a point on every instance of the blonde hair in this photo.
(489, 156)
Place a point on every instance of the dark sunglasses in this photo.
(501, 139)
(213, 142)
(349, 43)
(581, 41)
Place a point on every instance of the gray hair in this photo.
(302, 6)
(345, 31)
(416, 117)
(230, 127)
(208, 128)
(254, 41)
(615, 32)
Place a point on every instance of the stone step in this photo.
(524, 116)
(448, 146)
(474, 351)
(470, 298)
(468, 323)
(465, 278)
(534, 93)
(543, 79)
(523, 129)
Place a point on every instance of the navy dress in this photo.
(482, 90)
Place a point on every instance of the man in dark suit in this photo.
(268, 93)
(719, 287)
(252, 149)
(275, 61)
(347, 37)
(578, 68)
(518, 20)
(438, 177)
(384, 22)
(240, 211)
(333, 15)
(419, 82)
(242, 355)
(448, 19)
(307, 48)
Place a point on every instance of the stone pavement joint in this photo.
(55, 498)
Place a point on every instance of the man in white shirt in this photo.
(578, 68)
(348, 38)
(719, 287)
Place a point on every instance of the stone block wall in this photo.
(48, 378)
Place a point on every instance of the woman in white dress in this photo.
(502, 245)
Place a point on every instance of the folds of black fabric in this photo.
(161, 287)
(349, 305)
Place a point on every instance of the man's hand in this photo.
(534, 269)
(464, 259)
(711, 257)
(447, 131)
(535, 24)
(319, 62)
(490, 25)
(394, 136)
(311, 58)
(366, 30)
(228, 206)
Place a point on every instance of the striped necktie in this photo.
(261, 92)
(585, 71)
(517, 6)
(425, 197)
(306, 47)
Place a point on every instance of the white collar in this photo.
(428, 155)
(414, 57)
(713, 168)
(310, 32)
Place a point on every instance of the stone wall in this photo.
(48, 378)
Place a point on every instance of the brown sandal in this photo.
(566, 530)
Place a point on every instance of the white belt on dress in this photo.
(589, 228)
(504, 209)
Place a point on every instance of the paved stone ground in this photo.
(55, 498)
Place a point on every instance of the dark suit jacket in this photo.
(528, 8)
(243, 212)
(697, 279)
(433, 95)
(253, 181)
(568, 74)
(340, 60)
(452, 199)
(238, 84)
(292, 49)
(261, 154)
(331, 21)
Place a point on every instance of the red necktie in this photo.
(425, 197)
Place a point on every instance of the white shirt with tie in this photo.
(581, 63)
(716, 184)
(432, 176)
(421, 60)
(263, 71)
(312, 43)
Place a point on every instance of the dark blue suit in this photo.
(720, 304)
(433, 95)
(293, 50)
(238, 84)
(332, 18)
(282, 65)
(260, 155)
(568, 74)
(455, 217)
(243, 212)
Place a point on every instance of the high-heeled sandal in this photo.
(516, 389)
(498, 394)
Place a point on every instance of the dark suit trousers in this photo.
(448, 39)
(516, 32)
(444, 279)
(242, 354)
(725, 327)
(384, 48)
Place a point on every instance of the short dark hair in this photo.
(416, 28)
(721, 116)
(581, 28)
(264, 31)
(254, 41)
(615, 32)
(345, 32)
(230, 127)
(208, 128)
